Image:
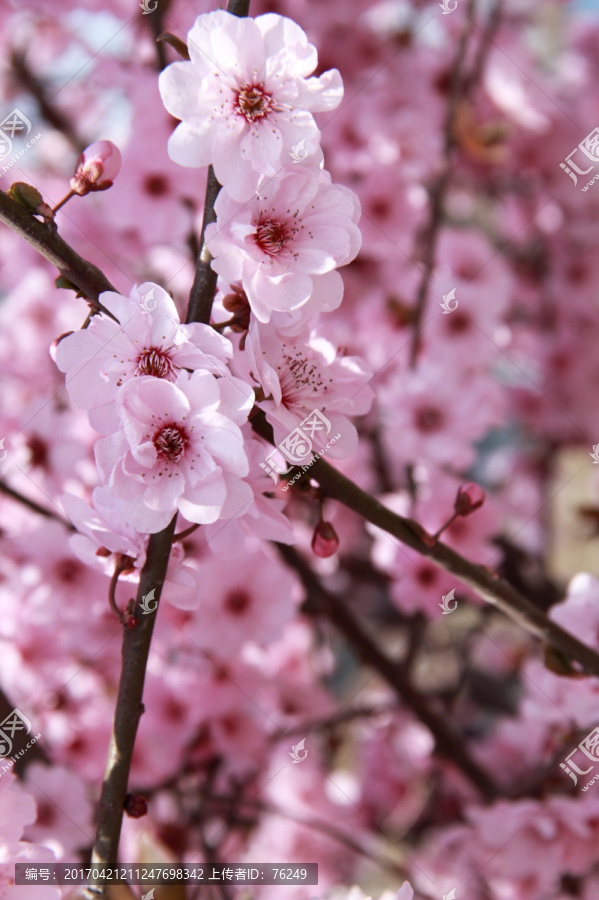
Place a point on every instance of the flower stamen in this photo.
(253, 102)
(156, 362)
(170, 443)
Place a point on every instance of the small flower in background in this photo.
(96, 168)
(595, 454)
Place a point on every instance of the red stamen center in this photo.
(156, 362)
(170, 443)
(253, 102)
(272, 237)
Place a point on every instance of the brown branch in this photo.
(485, 46)
(44, 238)
(486, 583)
(32, 505)
(137, 639)
(129, 706)
(239, 8)
(342, 717)
(330, 831)
(438, 189)
(449, 743)
(204, 282)
(52, 114)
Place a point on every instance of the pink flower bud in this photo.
(324, 540)
(469, 498)
(96, 168)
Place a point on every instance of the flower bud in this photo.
(469, 498)
(237, 303)
(324, 540)
(96, 168)
(136, 805)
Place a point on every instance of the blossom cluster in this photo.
(142, 414)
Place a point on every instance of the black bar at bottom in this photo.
(159, 874)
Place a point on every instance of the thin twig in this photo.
(334, 833)
(112, 594)
(449, 742)
(129, 706)
(90, 281)
(486, 43)
(204, 282)
(485, 582)
(438, 190)
(137, 639)
(52, 114)
(32, 505)
(340, 718)
(183, 534)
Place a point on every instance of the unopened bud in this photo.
(238, 304)
(136, 805)
(96, 168)
(469, 498)
(324, 540)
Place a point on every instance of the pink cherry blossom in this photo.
(181, 449)
(232, 308)
(441, 414)
(301, 374)
(264, 519)
(147, 338)
(232, 610)
(298, 226)
(102, 527)
(245, 99)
